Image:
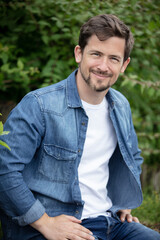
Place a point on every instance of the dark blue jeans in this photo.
(103, 228)
(111, 228)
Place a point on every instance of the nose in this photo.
(104, 64)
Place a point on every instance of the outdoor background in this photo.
(37, 40)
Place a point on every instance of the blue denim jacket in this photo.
(47, 134)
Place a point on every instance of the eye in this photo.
(115, 59)
(97, 54)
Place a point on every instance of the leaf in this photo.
(45, 39)
(4, 144)
(4, 133)
(1, 128)
(20, 64)
(5, 67)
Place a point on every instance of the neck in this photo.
(86, 93)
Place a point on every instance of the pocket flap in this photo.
(59, 152)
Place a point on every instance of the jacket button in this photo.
(79, 150)
(83, 123)
(77, 212)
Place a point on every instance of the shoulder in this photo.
(46, 91)
(47, 97)
(54, 88)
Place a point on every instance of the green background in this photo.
(37, 40)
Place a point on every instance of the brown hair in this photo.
(106, 26)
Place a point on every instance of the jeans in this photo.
(111, 228)
(103, 228)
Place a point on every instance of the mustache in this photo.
(105, 74)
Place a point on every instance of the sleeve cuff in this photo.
(34, 213)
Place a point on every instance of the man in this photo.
(74, 165)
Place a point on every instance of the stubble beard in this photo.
(93, 86)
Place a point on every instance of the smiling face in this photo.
(100, 63)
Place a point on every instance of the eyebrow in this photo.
(95, 51)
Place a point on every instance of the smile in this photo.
(101, 75)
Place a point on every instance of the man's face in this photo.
(101, 62)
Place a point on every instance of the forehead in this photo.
(113, 45)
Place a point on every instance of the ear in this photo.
(78, 54)
(125, 64)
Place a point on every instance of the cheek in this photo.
(117, 70)
(86, 65)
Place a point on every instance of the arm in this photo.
(135, 149)
(25, 124)
(125, 214)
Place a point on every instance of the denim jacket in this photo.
(47, 135)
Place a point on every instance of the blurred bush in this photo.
(148, 213)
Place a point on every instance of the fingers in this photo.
(135, 219)
(125, 215)
(122, 216)
(69, 227)
(79, 227)
(84, 231)
(79, 235)
(79, 232)
(129, 218)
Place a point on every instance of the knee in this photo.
(149, 234)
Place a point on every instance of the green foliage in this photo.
(37, 42)
(148, 213)
(3, 133)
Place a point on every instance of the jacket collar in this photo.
(73, 98)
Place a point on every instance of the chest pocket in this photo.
(57, 163)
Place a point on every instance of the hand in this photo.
(62, 227)
(125, 214)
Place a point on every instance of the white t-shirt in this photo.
(93, 169)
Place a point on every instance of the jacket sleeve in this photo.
(26, 127)
(136, 152)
